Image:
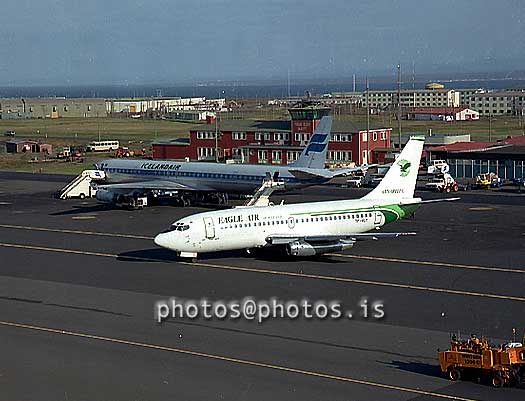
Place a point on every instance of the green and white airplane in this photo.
(305, 229)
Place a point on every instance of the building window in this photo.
(383, 135)
(262, 156)
(54, 109)
(280, 136)
(65, 108)
(276, 156)
(292, 156)
(205, 153)
(364, 137)
(239, 136)
(374, 136)
(89, 107)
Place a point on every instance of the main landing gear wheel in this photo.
(497, 380)
(454, 374)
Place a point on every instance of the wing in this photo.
(154, 185)
(319, 239)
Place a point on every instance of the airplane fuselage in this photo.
(214, 176)
(244, 228)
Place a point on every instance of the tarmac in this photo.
(79, 281)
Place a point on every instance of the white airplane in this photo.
(305, 229)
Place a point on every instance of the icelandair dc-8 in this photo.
(190, 181)
(304, 229)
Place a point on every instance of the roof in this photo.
(338, 126)
(18, 141)
(463, 147)
(508, 149)
(184, 141)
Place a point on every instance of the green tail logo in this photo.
(404, 166)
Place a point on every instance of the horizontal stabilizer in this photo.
(305, 174)
(419, 201)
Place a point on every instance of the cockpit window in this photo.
(178, 227)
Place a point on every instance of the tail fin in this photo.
(400, 179)
(314, 155)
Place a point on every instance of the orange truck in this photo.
(476, 358)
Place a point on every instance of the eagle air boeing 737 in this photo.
(304, 229)
(192, 181)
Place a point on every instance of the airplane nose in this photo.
(162, 240)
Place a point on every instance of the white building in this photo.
(498, 103)
(442, 114)
(412, 98)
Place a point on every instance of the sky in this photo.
(83, 42)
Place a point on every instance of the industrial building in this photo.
(442, 114)
(163, 104)
(62, 107)
(276, 142)
(55, 107)
(27, 146)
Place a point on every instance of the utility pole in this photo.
(217, 136)
(367, 122)
(399, 104)
(490, 127)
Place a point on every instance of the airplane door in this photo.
(378, 218)
(208, 226)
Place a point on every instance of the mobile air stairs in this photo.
(81, 187)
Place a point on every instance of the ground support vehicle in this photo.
(476, 358)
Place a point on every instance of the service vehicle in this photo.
(487, 180)
(443, 183)
(357, 179)
(502, 365)
(438, 166)
(9, 133)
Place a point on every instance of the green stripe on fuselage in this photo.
(391, 212)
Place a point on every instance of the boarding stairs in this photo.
(261, 197)
(81, 187)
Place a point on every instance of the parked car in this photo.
(9, 133)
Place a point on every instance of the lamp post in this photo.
(367, 122)
(217, 127)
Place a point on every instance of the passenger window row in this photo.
(301, 220)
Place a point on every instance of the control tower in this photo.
(305, 117)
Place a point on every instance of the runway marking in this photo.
(429, 263)
(232, 360)
(481, 209)
(273, 272)
(83, 217)
(65, 231)
(340, 255)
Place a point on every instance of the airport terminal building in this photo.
(276, 141)
(506, 158)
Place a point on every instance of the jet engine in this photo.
(104, 195)
(303, 248)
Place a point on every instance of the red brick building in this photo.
(276, 142)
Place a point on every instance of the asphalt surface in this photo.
(79, 282)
